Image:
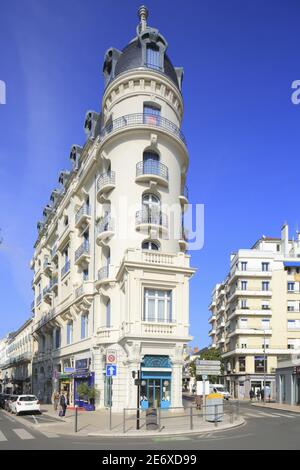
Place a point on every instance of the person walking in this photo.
(262, 394)
(258, 394)
(55, 400)
(251, 394)
(62, 404)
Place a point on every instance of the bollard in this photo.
(76, 412)
(191, 418)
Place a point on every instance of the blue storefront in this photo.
(156, 375)
(81, 375)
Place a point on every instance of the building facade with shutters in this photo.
(111, 271)
(255, 313)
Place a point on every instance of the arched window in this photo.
(150, 201)
(150, 163)
(149, 245)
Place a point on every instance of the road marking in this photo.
(23, 434)
(2, 437)
(10, 418)
(283, 416)
(49, 434)
(35, 420)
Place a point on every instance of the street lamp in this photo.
(265, 356)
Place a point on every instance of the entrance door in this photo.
(154, 393)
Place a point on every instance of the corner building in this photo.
(110, 263)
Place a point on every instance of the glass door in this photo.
(154, 393)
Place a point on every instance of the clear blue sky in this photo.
(240, 59)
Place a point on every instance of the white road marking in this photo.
(10, 418)
(49, 434)
(35, 420)
(23, 434)
(283, 416)
(2, 437)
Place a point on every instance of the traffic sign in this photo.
(208, 367)
(111, 370)
(111, 356)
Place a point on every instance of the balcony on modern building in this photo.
(212, 318)
(54, 282)
(151, 220)
(54, 251)
(47, 294)
(221, 339)
(152, 170)
(142, 120)
(83, 215)
(250, 331)
(220, 325)
(82, 254)
(248, 272)
(212, 305)
(65, 269)
(212, 332)
(47, 266)
(105, 182)
(245, 312)
(248, 293)
(184, 197)
(105, 228)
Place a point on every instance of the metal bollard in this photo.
(76, 417)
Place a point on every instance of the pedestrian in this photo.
(262, 394)
(62, 404)
(251, 394)
(55, 400)
(258, 394)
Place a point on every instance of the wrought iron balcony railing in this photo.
(65, 269)
(84, 210)
(152, 168)
(105, 225)
(147, 119)
(103, 273)
(107, 178)
(150, 217)
(83, 249)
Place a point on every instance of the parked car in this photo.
(24, 403)
(219, 388)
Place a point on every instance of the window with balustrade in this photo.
(157, 306)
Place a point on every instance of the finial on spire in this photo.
(143, 15)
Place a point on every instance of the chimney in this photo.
(196, 349)
(285, 239)
(143, 15)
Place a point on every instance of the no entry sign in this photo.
(111, 356)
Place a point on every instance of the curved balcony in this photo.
(54, 282)
(83, 215)
(146, 219)
(105, 228)
(152, 171)
(65, 269)
(142, 120)
(82, 254)
(103, 275)
(106, 182)
(184, 198)
(47, 294)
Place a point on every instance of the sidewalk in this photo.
(96, 423)
(279, 406)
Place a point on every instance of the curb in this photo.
(274, 408)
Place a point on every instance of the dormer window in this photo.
(153, 57)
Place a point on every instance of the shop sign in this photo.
(69, 370)
(81, 364)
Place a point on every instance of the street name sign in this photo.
(205, 367)
(111, 370)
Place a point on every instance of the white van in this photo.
(219, 388)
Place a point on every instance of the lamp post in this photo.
(265, 357)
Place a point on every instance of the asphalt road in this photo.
(264, 429)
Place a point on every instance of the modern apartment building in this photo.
(255, 312)
(16, 360)
(110, 266)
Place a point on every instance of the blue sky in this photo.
(240, 59)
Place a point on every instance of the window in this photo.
(278, 247)
(291, 286)
(265, 324)
(108, 316)
(69, 332)
(242, 364)
(293, 324)
(243, 323)
(244, 265)
(265, 305)
(244, 285)
(151, 163)
(244, 345)
(85, 274)
(265, 344)
(265, 285)
(153, 56)
(260, 363)
(57, 338)
(265, 266)
(244, 304)
(148, 245)
(291, 306)
(66, 220)
(84, 326)
(157, 305)
(151, 115)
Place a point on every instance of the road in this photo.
(264, 429)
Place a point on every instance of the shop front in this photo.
(156, 375)
(66, 386)
(83, 375)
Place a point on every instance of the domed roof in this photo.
(132, 57)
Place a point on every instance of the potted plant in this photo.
(88, 395)
(92, 395)
(82, 392)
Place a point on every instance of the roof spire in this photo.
(143, 15)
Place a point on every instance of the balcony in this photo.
(151, 219)
(249, 272)
(183, 240)
(32, 306)
(83, 215)
(103, 275)
(54, 283)
(250, 312)
(152, 171)
(39, 299)
(54, 251)
(106, 182)
(250, 331)
(248, 293)
(184, 198)
(47, 294)
(47, 266)
(105, 228)
(142, 120)
(212, 332)
(65, 269)
(82, 254)
(212, 318)
(158, 328)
